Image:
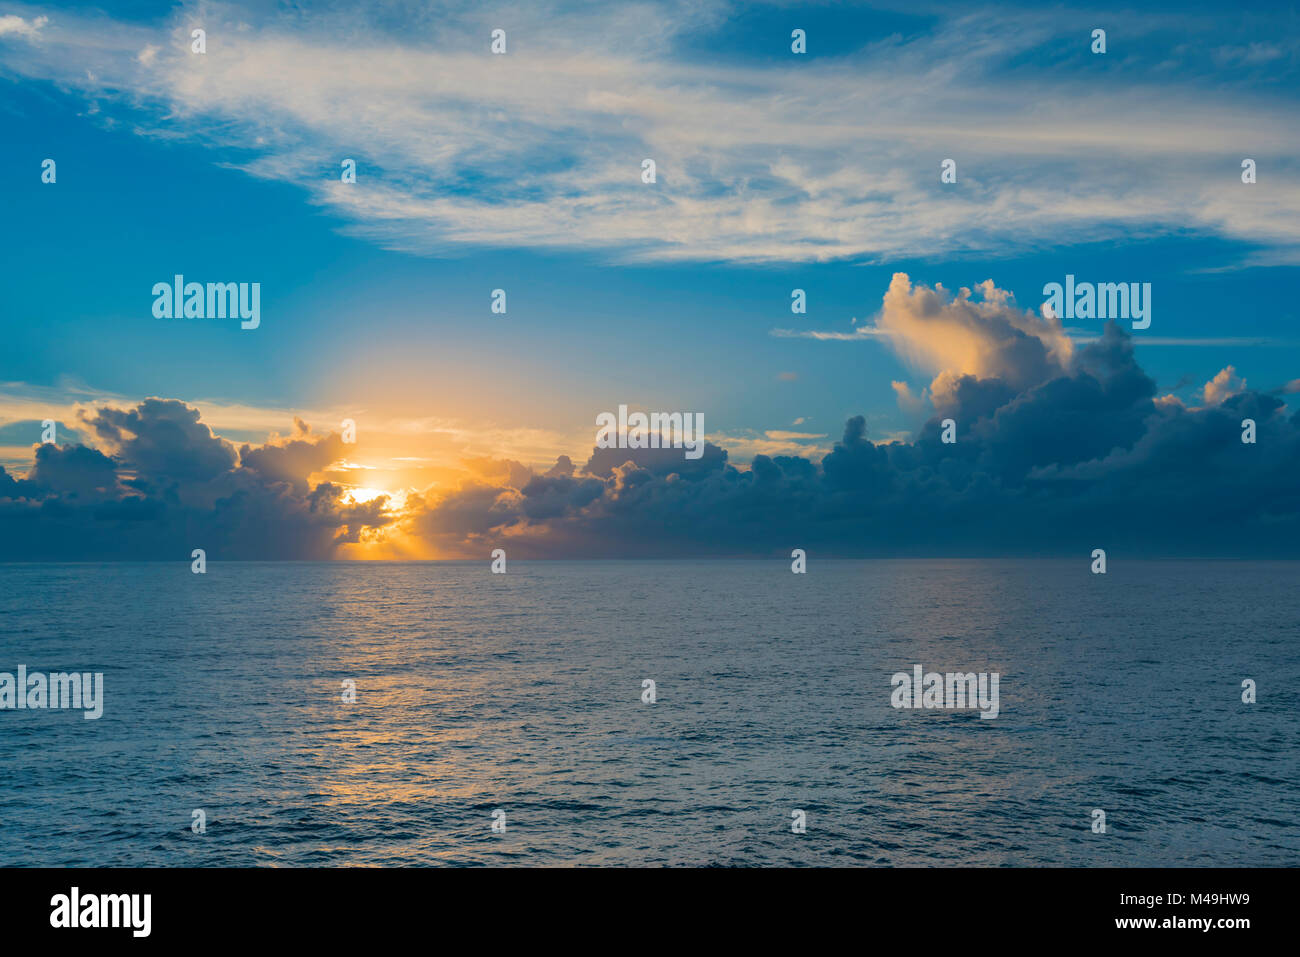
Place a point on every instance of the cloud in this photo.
(294, 459)
(1058, 451)
(163, 441)
(11, 25)
(821, 158)
(1225, 384)
(956, 336)
(663, 461)
(744, 445)
(859, 334)
(782, 435)
(73, 472)
(163, 484)
(973, 335)
(912, 404)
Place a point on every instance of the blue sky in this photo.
(521, 172)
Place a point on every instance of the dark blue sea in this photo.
(522, 693)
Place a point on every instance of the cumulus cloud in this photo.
(961, 339)
(909, 402)
(959, 335)
(1225, 384)
(160, 483)
(163, 442)
(293, 459)
(1059, 450)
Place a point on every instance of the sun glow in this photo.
(362, 495)
(359, 496)
(389, 541)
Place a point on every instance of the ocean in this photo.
(485, 698)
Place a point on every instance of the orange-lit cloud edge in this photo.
(407, 466)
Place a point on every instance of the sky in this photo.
(522, 171)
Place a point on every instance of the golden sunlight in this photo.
(359, 496)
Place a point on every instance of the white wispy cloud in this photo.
(791, 160)
(858, 334)
(868, 333)
(11, 24)
(742, 446)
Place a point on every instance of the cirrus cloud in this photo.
(820, 158)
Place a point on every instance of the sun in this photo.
(388, 541)
(359, 496)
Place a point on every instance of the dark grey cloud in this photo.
(163, 441)
(1058, 460)
(657, 461)
(1064, 462)
(295, 459)
(164, 484)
